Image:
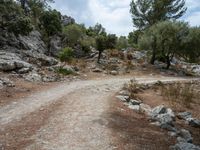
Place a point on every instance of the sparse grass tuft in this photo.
(64, 71)
(179, 93)
(133, 88)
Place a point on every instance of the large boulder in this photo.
(11, 61)
(163, 115)
(184, 115)
(39, 59)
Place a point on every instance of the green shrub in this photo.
(66, 55)
(64, 71)
(21, 25)
(73, 33)
(51, 22)
(86, 43)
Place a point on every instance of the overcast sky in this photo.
(113, 14)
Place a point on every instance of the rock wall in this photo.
(23, 53)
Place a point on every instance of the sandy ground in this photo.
(79, 115)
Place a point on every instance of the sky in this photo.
(114, 14)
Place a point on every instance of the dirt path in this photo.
(77, 123)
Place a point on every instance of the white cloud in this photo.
(113, 15)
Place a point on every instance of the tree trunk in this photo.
(99, 57)
(168, 62)
(153, 57)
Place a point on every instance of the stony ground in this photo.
(79, 115)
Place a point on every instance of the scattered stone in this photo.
(158, 110)
(184, 115)
(33, 77)
(24, 70)
(172, 134)
(171, 113)
(145, 108)
(168, 127)
(164, 119)
(124, 93)
(185, 146)
(97, 70)
(134, 107)
(50, 78)
(194, 122)
(123, 98)
(114, 73)
(184, 135)
(135, 102)
(6, 82)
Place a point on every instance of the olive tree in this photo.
(164, 40)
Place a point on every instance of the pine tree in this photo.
(146, 13)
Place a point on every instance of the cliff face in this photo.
(23, 53)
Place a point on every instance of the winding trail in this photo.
(78, 124)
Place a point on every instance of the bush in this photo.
(21, 25)
(65, 71)
(66, 55)
(164, 40)
(73, 33)
(51, 22)
(122, 42)
(86, 44)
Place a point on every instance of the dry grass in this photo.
(133, 88)
(128, 64)
(179, 93)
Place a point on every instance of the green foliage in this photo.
(66, 55)
(13, 19)
(101, 43)
(133, 37)
(73, 34)
(64, 71)
(97, 30)
(122, 42)
(146, 13)
(21, 25)
(86, 44)
(111, 41)
(191, 45)
(51, 22)
(164, 39)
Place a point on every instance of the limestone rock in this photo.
(10, 61)
(185, 146)
(184, 115)
(55, 45)
(114, 73)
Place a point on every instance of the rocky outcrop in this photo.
(67, 20)
(33, 42)
(23, 53)
(55, 45)
(11, 61)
